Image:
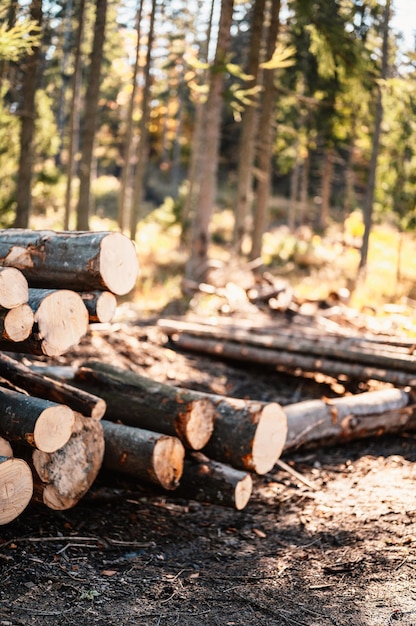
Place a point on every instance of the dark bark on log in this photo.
(61, 320)
(36, 384)
(79, 260)
(14, 289)
(16, 324)
(101, 305)
(39, 423)
(291, 361)
(337, 420)
(139, 401)
(209, 481)
(16, 488)
(247, 434)
(143, 455)
(66, 475)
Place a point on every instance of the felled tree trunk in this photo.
(143, 455)
(64, 477)
(331, 421)
(14, 289)
(5, 447)
(16, 488)
(101, 305)
(139, 401)
(210, 481)
(247, 434)
(79, 260)
(37, 384)
(42, 424)
(61, 320)
(16, 324)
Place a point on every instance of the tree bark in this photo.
(331, 421)
(41, 386)
(101, 305)
(63, 477)
(14, 289)
(247, 434)
(71, 259)
(90, 118)
(143, 455)
(209, 481)
(16, 488)
(16, 324)
(144, 403)
(40, 423)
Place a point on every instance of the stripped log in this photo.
(16, 324)
(42, 424)
(37, 384)
(63, 477)
(213, 482)
(14, 289)
(77, 260)
(143, 455)
(247, 434)
(337, 420)
(16, 488)
(139, 401)
(101, 305)
(61, 320)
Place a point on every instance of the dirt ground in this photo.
(340, 554)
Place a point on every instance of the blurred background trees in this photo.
(296, 113)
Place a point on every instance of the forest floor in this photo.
(340, 554)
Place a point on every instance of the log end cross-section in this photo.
(53, 428)
(270, 438)
(17, 322)
(119, 265)
(16, 488)
(195, 424)
(14, 289)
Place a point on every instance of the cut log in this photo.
(247, 434)
(36, 384)
(139, 401)
(81, 261)
(101, 305)
(65, 476)
(14, 289)
(61, 320)
(209, 481)
(143, 455)
(291, 361)
(337, 420)
(42, 424)
(16, 488)
(16, 324)
(5, 447)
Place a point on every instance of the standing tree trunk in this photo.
(144, 132)
(196, 268)
(24, 177)
(327, 171)
(91, 106)
(73, 130)
(369, 199)
(246, 148)
(265, 136)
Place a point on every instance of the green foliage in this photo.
(17, 41)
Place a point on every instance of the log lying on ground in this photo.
(36, 384)
(292, 361)
(16, 324)
(77, 260)
(61, 320)
(143, 455)
(139, 401)
(63, 477)
(16, 488)
(210, 481)
(331, 421)
(42, 424)
(101, 305)
(14, 289)
(247, 434)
